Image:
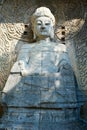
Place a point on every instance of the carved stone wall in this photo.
(16, 14)
(81, 54)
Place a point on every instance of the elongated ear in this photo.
(52, 33)
(34, 36)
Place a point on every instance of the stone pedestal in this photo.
(40, 101)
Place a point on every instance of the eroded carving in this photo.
(46, 81)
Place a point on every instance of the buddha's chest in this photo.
(44, 59)
(45, 54)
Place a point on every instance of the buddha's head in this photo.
(43, 23)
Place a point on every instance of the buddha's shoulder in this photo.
(28, 45)
(60, 47)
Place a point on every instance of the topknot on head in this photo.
(42, 11)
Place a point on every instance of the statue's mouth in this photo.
(43, 30)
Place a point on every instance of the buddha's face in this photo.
(43, 27)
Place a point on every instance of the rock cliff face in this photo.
(71, 29)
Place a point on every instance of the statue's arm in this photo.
(21, 65)
(64, 60)
(24, 53)
(64, 63)
(23, 59)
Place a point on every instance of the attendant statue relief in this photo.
(45, 55)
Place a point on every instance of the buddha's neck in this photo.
(40, 40)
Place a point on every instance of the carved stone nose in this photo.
(42, 28)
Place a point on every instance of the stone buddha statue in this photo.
(45, 55)
(42, 77)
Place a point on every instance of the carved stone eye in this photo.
(38, 23)
(47, 23)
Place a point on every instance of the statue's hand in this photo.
(64, 66)
(21, 63)
(24, 73)
(23, 69)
